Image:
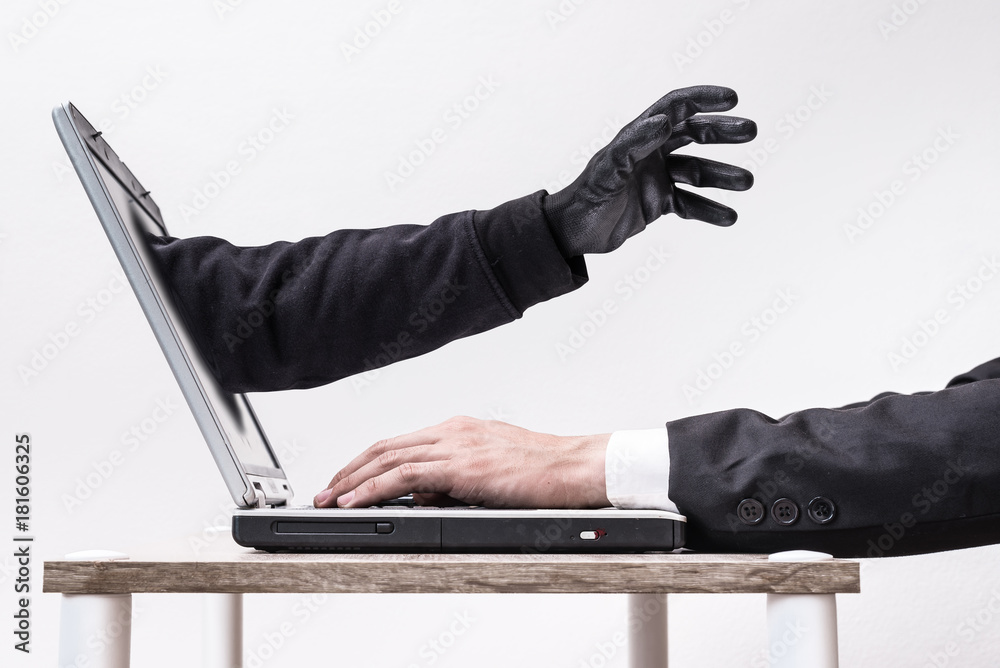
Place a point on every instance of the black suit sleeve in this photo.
(902, 474)
(298, 315)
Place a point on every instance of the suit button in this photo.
(750, 511)
(821, 510)
(784, 511)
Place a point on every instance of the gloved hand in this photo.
(633, 180)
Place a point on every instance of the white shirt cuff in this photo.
(637, 469)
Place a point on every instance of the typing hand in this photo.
(479, 462)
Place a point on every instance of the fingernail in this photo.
(344, 499)
(324, 495)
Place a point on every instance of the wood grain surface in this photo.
(257, 572)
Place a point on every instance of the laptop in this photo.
(265, 517)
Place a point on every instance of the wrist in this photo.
(589, 454)
(551, 204)
(523, 254)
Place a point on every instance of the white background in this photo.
(565, 74)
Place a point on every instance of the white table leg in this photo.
(802, 628)
(222, 632)
(647, 630)
(95, 630)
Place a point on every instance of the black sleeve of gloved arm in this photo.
(899, 474)
(299, 315)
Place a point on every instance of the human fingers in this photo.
(388, 460)
(419, 437)
(408, 477)
(385, 461)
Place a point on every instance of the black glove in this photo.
(632, 181)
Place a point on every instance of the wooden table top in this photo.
(249, 571)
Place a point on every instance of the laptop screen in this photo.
(231, 412)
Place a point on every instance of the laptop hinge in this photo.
(268, 492)
(261, 501)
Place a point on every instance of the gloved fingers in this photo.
(685, 102)
(689, 205)
(705, 173)
(634, 142)
(710, 129)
